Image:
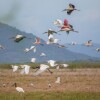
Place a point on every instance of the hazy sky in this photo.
(36, 16)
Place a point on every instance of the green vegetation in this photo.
(71, 65)
(50, 96)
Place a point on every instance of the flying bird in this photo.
(43, 54)
(38, 41)
(25, 69)
(70, 9)
(33, 60)
(58, 22)
(15, 68)
(49, 32)
(98, 49)
(18, 38)
(52, 40)
(52, 63)
(1, 47)
(33, 48)
(88, 43)
(26, 50)
(67, 27)
(41, 69)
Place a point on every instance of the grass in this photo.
(72, 65)
(50, 96)
(78, 84)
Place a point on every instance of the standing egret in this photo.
(58, 80)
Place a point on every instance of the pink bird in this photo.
(38, 41)
(67, 27)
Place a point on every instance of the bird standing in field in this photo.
(70, 9)
(18, 89)
(67, 27)
(58, 80)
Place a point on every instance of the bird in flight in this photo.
(70, 9)
(41, 69)
(67, 27)
(38, 41)
(50, 31)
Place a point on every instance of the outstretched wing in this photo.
(71, 5)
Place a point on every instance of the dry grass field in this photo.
(84, 82)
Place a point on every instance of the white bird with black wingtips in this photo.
(41, 69)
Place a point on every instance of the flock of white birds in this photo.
(64, 26)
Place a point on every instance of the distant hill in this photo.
(80, 48)
(14, 52)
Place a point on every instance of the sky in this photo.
(37, 16)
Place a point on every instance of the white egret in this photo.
(52, 63)
(41, 69)
(98, 49)
(58, 22)
(15, 68)
(33, 48)
(43, 54)
(33, 60)
(25, 69)
(26, 50)
(58, 80)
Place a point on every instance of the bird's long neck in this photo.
(15, 84)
